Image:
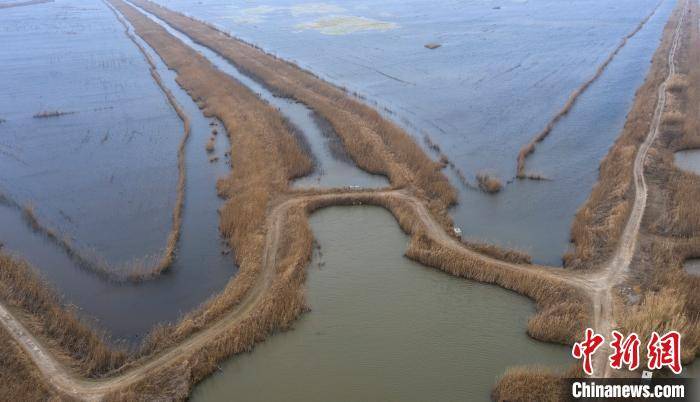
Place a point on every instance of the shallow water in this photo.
(332, 169)
(107, 170)
(692, 266)
(200, 269)
(688, 160)
(498, 77)
(383, 327)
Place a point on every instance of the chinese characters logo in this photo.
(661, 351)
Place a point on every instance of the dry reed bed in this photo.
(520, 384)
(284, 300)
(264, 153)
(19, 375)
(375, 144)
(488, 183)
(87, 351)
(670, 297)
(529, 148)
(599, 222)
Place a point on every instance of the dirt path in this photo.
(598, 285)
(614, 272)
(65, 381)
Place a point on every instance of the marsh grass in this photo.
(505, 254)
(488, 183)
(21, 287)
(374, 143)
(20, 377)
(677, 84)
(50, 113)
(529, 383)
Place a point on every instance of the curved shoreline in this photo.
(270, 295)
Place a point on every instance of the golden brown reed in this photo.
(21, 287)
(500, 253)
(374, 143)
(598, 224)
(487, 183)
(528, 383)
(265, 156)
(20, 377)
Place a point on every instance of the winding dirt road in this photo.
(614, 272)
(598, 285)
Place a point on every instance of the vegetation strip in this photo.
(373, 142)
(144, 269)
(267, 295)
(24, 3)
(529, 148)
(667, 297)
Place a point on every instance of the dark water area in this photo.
(504, 68)
(96, 166)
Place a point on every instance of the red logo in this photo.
(665, 351)
(662, 351)
(626, 351)
(586, 349)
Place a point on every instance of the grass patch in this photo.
(488, 184)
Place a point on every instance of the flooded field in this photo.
(333, 167)
(98, 168)
(89, 146)
(382, 327)
(480, 103)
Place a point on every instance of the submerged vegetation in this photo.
(50, 113)
(529, 148)
(487, 183)
(266, 224)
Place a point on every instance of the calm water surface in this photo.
(503, 70)
(383, 328)
(112, 187)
